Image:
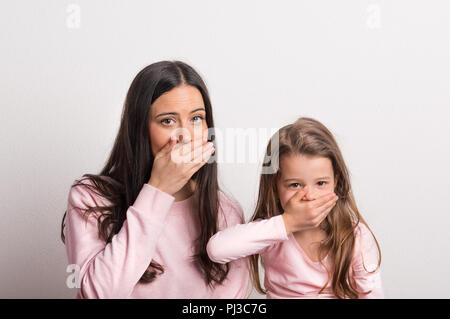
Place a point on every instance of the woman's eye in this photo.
(167, 121)
(197, 118)
(321, 183)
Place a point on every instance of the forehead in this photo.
(305, 167)
(181, 99)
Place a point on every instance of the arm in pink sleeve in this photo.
(238, 279)
(246, 239)
(112, 270)
(365, 261)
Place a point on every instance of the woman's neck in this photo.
(185, 192)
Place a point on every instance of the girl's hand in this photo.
(175, 164)
(300, 215)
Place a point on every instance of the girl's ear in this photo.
(336, 180)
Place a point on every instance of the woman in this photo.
(139, 228)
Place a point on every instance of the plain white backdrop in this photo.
(377, 73)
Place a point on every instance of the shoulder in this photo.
(230, 211)
(363, 235)
(366, 248)
(83, 194)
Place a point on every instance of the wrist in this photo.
(155, 184)
(287, 223)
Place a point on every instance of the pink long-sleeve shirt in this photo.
(156, 227)
(289, 272)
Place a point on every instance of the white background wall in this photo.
(377, 73)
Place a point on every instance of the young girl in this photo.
(139, 228)
(306, 228)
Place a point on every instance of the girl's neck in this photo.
(310, 235)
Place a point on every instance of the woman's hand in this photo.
(175, 164)
(300, 215)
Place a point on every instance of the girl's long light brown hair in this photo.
(309, 137)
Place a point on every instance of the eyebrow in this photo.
(298, 179)
(175, 113)
(324, 177)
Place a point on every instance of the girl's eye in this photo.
(295, 185)
(167, 121)
(197, 118)
(321, 183)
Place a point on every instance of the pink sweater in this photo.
(289, 272)
(157, 228)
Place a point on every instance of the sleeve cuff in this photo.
(153, 202)
(280, 227)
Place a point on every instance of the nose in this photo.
(310, 195)
(187, 134)
(181, 134)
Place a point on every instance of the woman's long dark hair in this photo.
(131, 160)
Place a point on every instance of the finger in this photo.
(327, 205)
(322, 200)
(200, 135)
(194, 150)
(198, 146)
(197, 139)
(202, 154)
(177, 154)
(196, 164)
(181, 153)
(299, 194)
(200, 160)
(205, 135)
(167, 148)
(191, 155)
(325, 213)
(184, 148)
